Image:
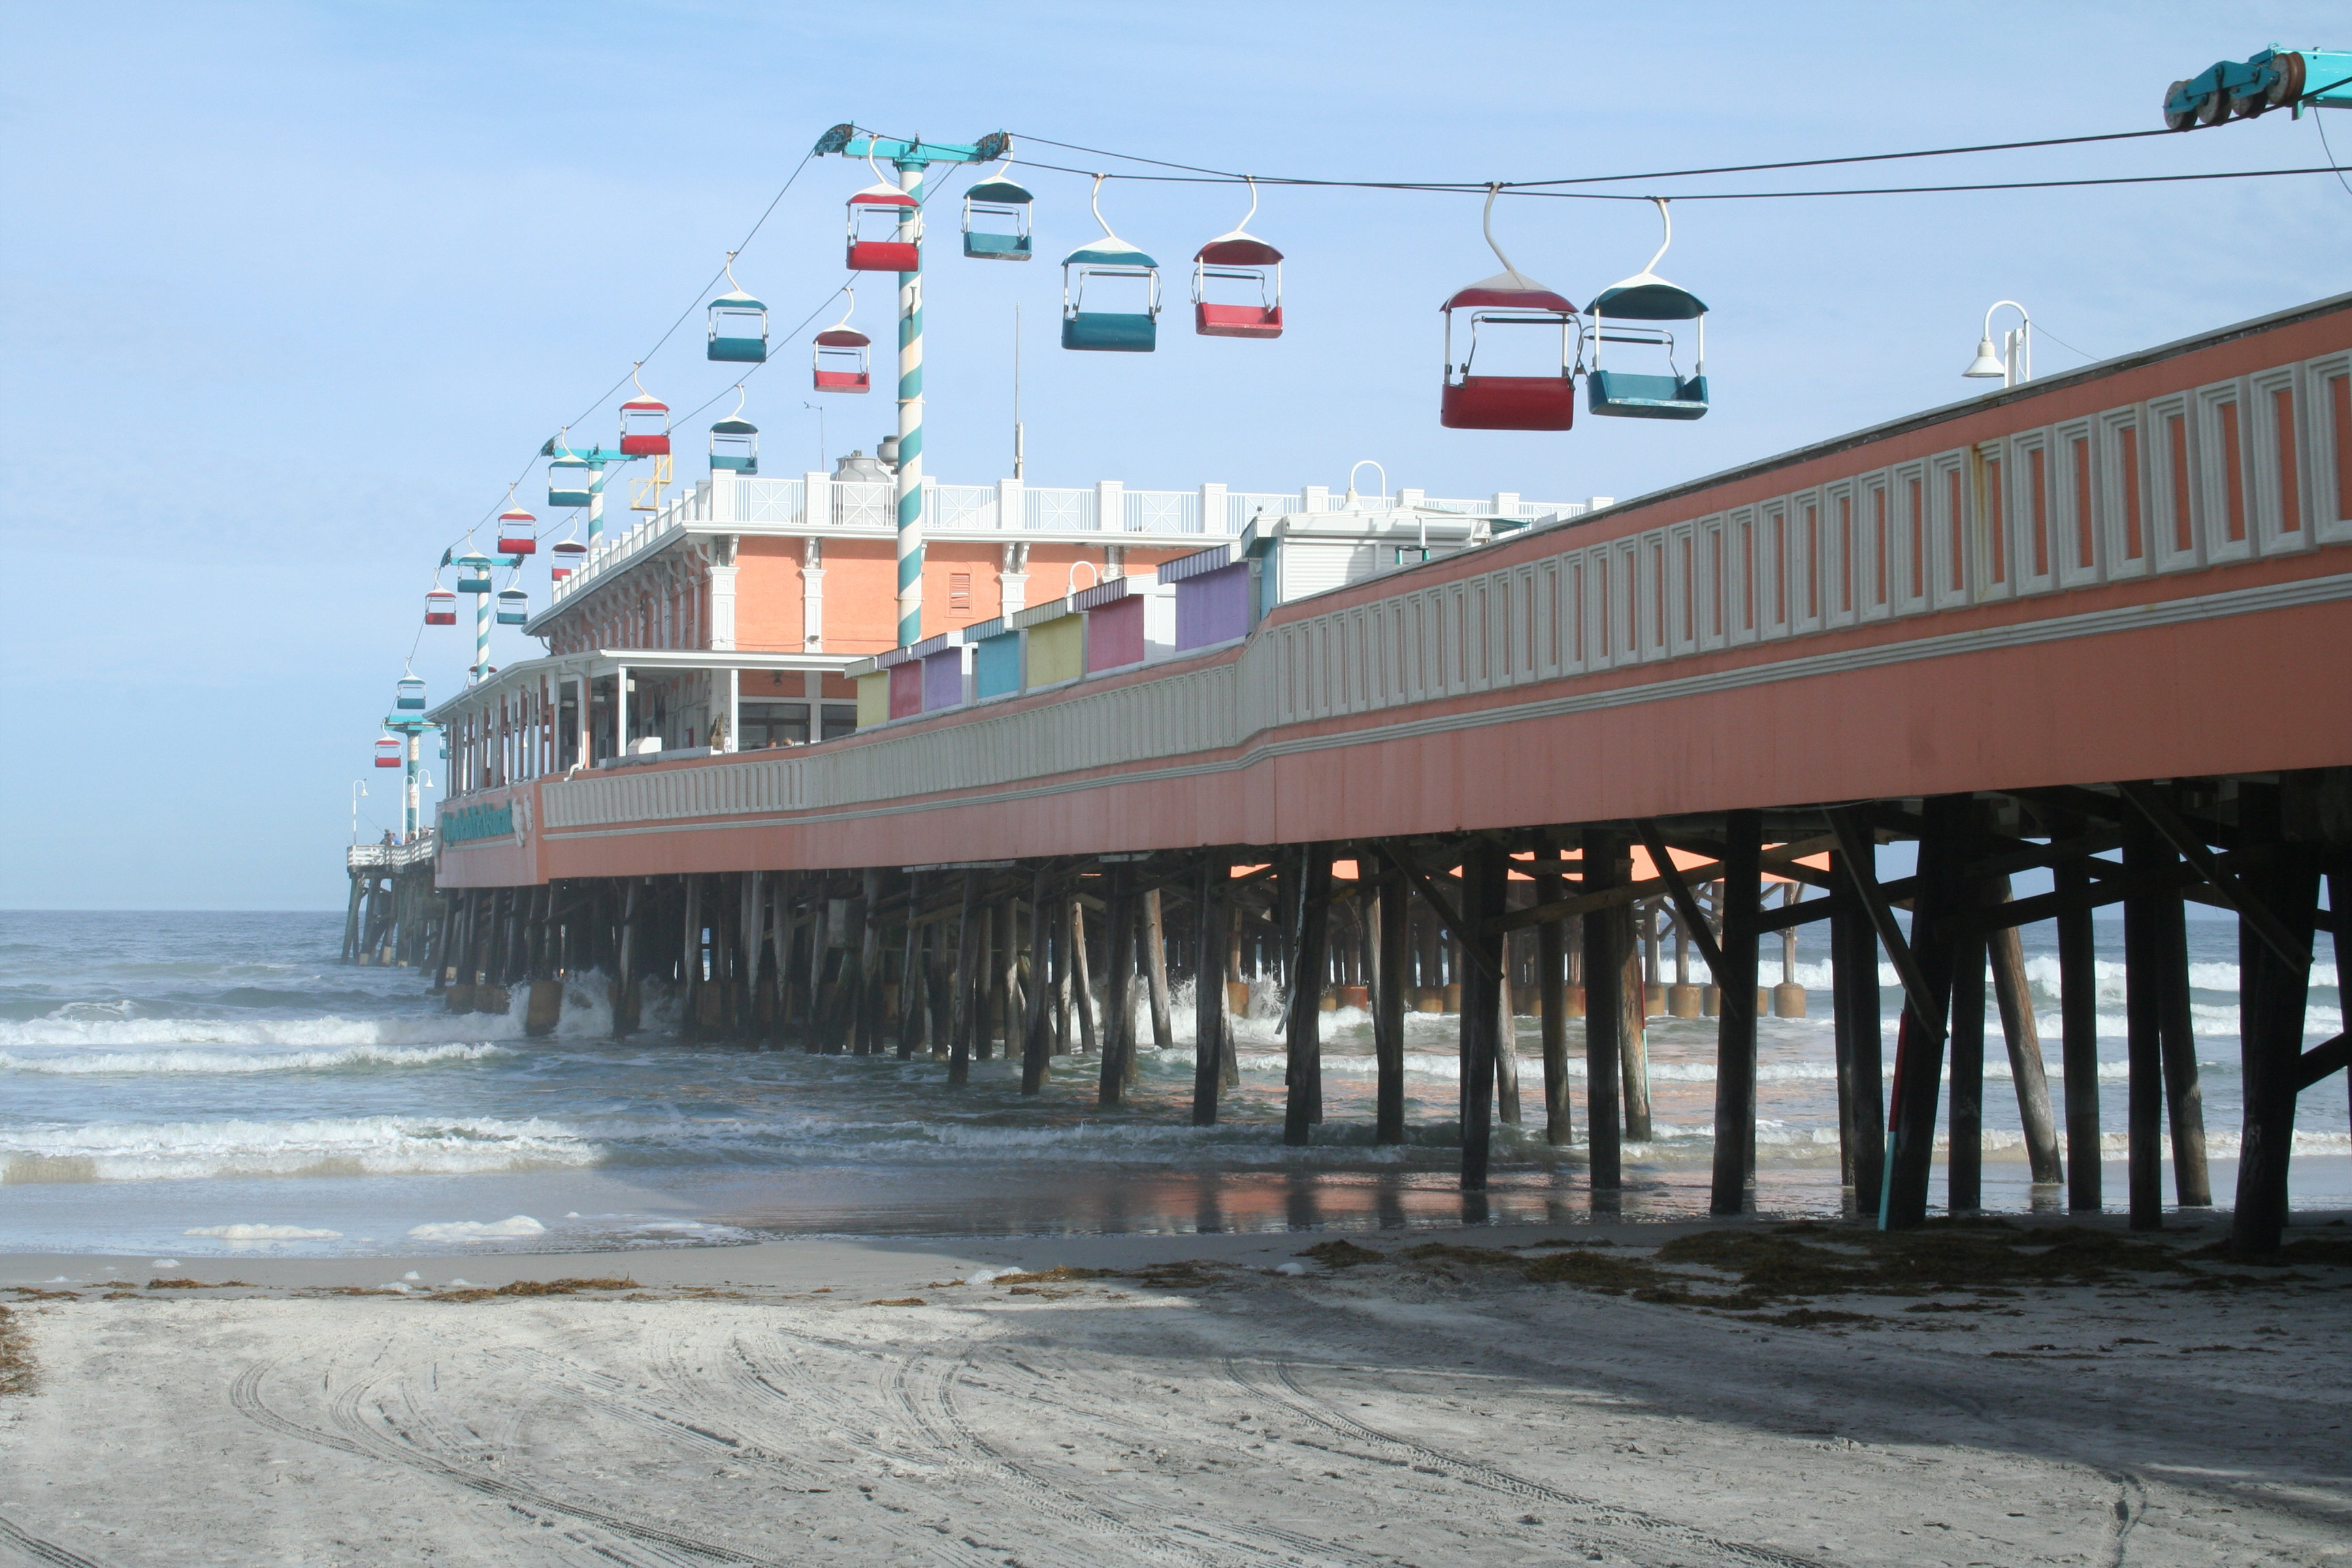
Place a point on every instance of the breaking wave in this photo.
(187, 1060)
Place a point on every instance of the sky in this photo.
(291, 293)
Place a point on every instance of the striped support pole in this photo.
(415, 740)
(911, 421)
(595, 504)
(481, 638)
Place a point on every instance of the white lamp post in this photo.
(2014, 362)
(358, 789)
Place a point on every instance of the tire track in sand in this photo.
(245, 1395)
(682, 1367)
(922, 1388)
(40, 1550)
(1625, 1530)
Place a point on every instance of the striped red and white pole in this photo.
(910, 418)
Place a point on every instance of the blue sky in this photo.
(291, 292)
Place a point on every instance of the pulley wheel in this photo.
(2213, 108)
(2181, 120)
(2287, 86)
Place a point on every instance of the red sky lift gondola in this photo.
(518, 532)
(1238, 257)
(567, 552)
(879, 204)
(388, 753)
(839, 359)
(1509, 298)
(644, 424)
(440, 606)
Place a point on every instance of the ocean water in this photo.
(219, 1084)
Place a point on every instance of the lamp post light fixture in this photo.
(2014, 361)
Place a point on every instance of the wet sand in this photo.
(1485, 1401)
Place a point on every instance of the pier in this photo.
(2074, 625)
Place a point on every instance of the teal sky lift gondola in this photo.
(735, 441)
(408, 692)
(1107, 259)
(1646, 297)
(1003, 201)
(569, 478)
(739, 324)
(514, 607)
(473, 571)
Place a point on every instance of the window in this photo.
(959, 592)
(840, 719)
(774, 724)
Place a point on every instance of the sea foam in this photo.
(193, 1057)
(318, 1146)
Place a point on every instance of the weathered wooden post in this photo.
(1551, 997)
(1037, 1028)
(2282, 895)
(2078, 1019)
(1213, 918)
(1485, 876)
(959, 1032)
(2183, 1097)
(1927, 1000)
(1507, 1023)
(1606, 934)
(2022, 1036)
(1310, 910)
(1082, 984)
(911, 983)
(1392, 931)
(1155, 956)
(1633, 1029)
(1732, 1189)
(1964, 1145)
(2146, 855)
(1119, 1000)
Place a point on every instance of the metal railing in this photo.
(871, 505)
(391, 857)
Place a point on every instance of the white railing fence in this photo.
(761, 503)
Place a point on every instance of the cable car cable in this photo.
(699, 301)
(1480, 186)
(1524, 189)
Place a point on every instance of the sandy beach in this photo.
(1629, 1394)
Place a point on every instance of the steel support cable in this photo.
(1605, 179)
(1524, 190)
(701, 297)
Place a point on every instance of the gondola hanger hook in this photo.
(1493, 191)
(1094, 200)
(1003, 163)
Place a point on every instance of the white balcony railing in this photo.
(756, 503)
(391, 857)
